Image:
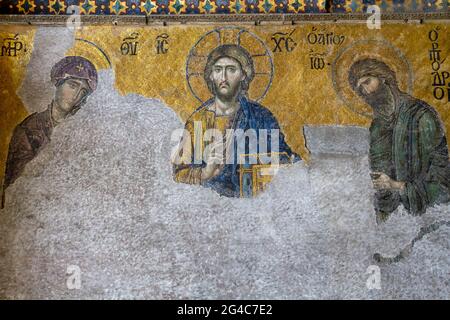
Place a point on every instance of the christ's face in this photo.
(69, 94)
(226, 76)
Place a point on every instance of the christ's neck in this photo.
(226, 108)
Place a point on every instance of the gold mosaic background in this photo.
(298, 95)
(12, 72)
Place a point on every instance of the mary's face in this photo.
(227, 75)
(70, 94)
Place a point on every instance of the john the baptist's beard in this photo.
(379, 99)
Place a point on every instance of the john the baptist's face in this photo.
(367, 85)
(227, 76)
(70, 93)
(374, 91)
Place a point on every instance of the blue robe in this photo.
(250, 115)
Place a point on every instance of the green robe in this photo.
(411, 147)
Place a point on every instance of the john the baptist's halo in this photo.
(376, 49)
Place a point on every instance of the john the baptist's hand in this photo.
(382, 181)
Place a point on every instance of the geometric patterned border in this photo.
(202, 7)
(353, 6)
(148, 7)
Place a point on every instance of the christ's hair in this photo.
(236, 53)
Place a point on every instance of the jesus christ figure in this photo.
(228, 73)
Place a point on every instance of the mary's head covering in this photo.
(75, 67)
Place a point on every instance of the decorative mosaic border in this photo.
(351, 6)
(179, 7)
(256, 19)
(158, 7)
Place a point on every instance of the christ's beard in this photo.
(230, 95)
